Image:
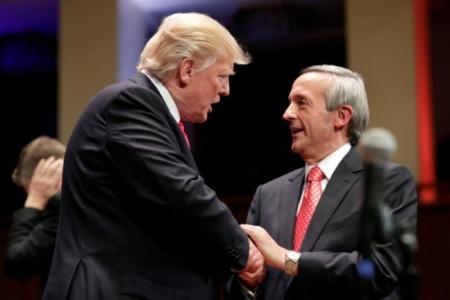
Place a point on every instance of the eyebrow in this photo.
(293, 96)
(227, 71)
(297, 96)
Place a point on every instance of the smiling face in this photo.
(316, 132)
(199, 89)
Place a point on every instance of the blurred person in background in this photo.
(32, 235)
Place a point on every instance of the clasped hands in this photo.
(263, 251)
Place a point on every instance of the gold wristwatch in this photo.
(291, 262)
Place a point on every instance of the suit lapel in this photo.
(143, 80)
(287, 211)
(289, 199)
(343, 178)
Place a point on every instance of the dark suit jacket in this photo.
(327, 267)
(137, 220)
(31, 240)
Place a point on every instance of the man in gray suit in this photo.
(308, 221)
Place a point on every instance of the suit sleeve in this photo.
(142, 144)
(338, 271)
(253, 212)
(235, 290)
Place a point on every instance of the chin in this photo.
(296, 148)
(201, 119)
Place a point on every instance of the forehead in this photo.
(225, 65)
(311, 84)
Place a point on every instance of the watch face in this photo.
(293, 255)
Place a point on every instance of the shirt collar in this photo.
(165, 95)
(329, 164)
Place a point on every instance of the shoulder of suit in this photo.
(394, 169)
(137, 92)
(138, 83)
(286, 178)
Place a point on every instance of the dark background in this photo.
(245, 141)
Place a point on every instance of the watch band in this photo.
(291, 262)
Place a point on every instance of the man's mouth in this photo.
(295, 130)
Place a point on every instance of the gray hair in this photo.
(346, 88)
(189, 35)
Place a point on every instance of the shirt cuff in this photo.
(248, 293)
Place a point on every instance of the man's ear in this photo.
(343, 116)
(185, 70)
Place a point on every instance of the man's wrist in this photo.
(35, 202)
(279, 260)
(291, 262)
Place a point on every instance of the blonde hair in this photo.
(189, 35)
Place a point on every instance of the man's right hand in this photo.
(45, 182)
(255, 271)
(273, 253)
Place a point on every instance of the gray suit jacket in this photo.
(327, 267)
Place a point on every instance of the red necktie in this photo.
(181, 125)
(310, 199)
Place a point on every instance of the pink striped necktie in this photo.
(311, 197)
(181, 125)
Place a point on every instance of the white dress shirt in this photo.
(167, 97)
(328, 165)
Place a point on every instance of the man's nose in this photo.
(225, 87)
(288, 113)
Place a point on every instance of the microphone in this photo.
(378, 143)
(377, 223)
(378, 146)
(376, 220)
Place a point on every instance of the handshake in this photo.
(264, 251)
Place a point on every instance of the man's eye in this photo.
(302, 101)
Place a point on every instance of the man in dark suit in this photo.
(137, 219)
(309, 221)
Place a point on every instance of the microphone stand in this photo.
(409, 282)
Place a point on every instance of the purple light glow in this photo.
(21, 16)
